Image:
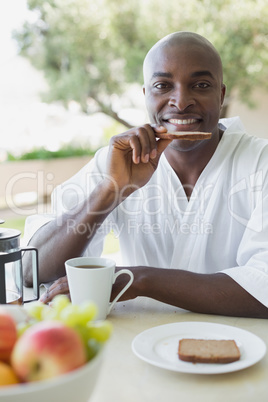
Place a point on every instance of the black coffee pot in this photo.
(11, 272)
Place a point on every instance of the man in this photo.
(191, 215)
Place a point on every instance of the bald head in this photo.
(191, 40)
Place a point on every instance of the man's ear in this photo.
(223, 91)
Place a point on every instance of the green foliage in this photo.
(14, 223)
(112, 130)
(43, 153)
(90, 51)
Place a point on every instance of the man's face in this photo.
(183, 88)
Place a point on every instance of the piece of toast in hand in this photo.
(184, 135)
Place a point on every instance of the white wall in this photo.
(255, 120)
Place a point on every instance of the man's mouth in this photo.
(184, 124)
(182, 121)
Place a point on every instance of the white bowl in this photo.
(76, 386)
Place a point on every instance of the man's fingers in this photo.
(143, 142)
(59, 287)
(135, 145)
(161, 145)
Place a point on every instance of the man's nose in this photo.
(181, 98)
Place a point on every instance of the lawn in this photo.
(14, 223)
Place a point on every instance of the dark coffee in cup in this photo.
(90, 266)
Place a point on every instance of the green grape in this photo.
(48, 313)
(23, 326)
(92, 348)
(87, 312)
(60, 302)
(35, 310)
(99, 330)
(70, 315)
(83, 332)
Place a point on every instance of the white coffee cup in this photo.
(92, 278)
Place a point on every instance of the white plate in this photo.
(159, 346)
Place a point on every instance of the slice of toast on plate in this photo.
(208, 351)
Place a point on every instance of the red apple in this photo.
(8, 335)
(47, 349)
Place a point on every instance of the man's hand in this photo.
(133, 157)
(59, 287)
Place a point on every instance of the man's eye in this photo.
(202, 85)
(160, 85)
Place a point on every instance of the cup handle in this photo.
(122, 271)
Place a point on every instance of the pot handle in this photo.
(35, 272)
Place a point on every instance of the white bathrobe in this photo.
(223, 227)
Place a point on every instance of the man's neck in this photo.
(189, 164)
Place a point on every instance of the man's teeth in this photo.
(185, 121)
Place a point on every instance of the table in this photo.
(126, 378)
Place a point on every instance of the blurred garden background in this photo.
(71, 77)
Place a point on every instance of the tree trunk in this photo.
(109, 112)
(117, 118)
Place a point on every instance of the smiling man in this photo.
(184, 91)
(191, 216)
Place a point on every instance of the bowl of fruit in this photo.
(50, 353)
